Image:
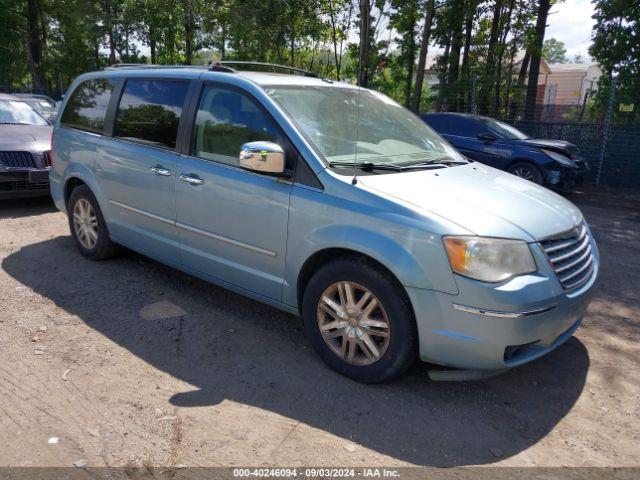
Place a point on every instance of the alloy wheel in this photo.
(85, 223)
(524, 172)
(353, 323)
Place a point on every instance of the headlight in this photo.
(489, 259)
(561, 159)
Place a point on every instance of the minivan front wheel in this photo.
(527, 171)
(87, 225)
(359, 320)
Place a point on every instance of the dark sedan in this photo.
(25, 143)
(554, 163)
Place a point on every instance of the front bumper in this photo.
(566, 178)
(16, 183)
(502, 326)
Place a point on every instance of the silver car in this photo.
(25, 145)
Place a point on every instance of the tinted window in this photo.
(150, 111)
(437, 122)
(87, 106)
(226, 119)
(465, 127)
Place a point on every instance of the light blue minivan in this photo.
(329, 201)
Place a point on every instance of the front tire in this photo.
(88, 228)
(360, 321)
(527, 171)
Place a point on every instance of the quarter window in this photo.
(227, 119)
(88, 104)
(150, 111)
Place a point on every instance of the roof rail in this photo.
(119, 66)
(220, 66)
(262, 65)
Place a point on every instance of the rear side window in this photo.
(87, 105)
(227, 119)
(150, 111)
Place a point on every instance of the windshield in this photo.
(41, 106)
(16, 112)
(351, 125)
(503, 129)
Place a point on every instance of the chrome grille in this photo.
(571, 257)
(17, 160)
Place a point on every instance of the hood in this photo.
(26, 138)
(483, 200)
(560, 146)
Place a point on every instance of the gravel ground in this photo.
(131, 363)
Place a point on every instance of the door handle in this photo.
(160, 170)
(192, 179)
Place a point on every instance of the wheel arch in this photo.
(329, 254)
(69, 186)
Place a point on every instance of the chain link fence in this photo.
(601, 118)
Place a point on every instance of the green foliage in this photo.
(616, 47)
(480, 43)
(554, 51)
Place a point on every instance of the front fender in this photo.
(409, 266)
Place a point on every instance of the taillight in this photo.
(51, 160)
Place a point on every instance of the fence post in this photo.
(606, 127)
(474, 92)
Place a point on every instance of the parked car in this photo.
(327, 201)
(25, 140)
(554, 163)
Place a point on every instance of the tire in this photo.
(528, 171)
(397, 351)
(101, 247)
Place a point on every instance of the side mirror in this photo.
(487, 137)
(263, 157)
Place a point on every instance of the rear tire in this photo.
(527, 171)
(88, 227)
(359, 320)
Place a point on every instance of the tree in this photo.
(429, 10)
(536, 55)
(554, 51)
(616, 47)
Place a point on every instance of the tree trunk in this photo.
(411, 58)
(440, 104)
(422, 57)
(536, 55)
(483, 100)
(109, 14)
(506, 27)
(35, 47)
(365, 32)
(152, 48)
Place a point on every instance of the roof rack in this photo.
(220, 66)
(119, 66)
(260, 65)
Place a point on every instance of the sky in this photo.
(570, 22)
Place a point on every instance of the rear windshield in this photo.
(87, 106)
(19, 113)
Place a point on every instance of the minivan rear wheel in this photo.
(359, 320)
(527, 171)
(87, 225)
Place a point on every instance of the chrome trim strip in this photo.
(142, 212)
(494, 313)
(226, 239)
(570, 254)
(196, 230)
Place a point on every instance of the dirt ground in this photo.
(131, 363)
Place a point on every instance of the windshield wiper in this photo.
(446, 161)
(369, 166)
